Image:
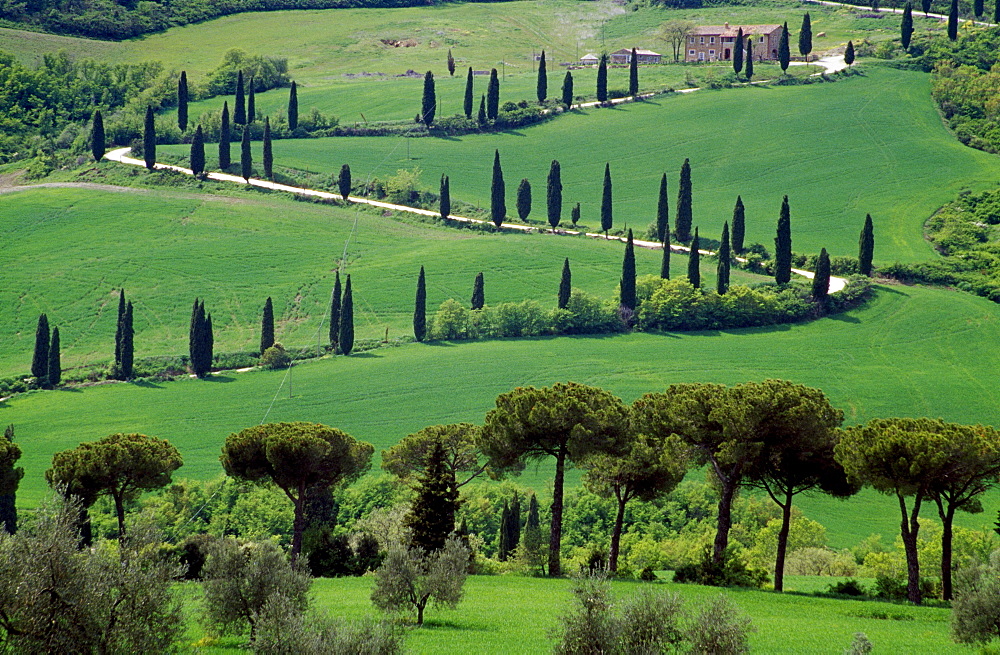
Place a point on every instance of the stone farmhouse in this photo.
(716, 42)
(624, 56)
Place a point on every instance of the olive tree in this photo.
(410, 578)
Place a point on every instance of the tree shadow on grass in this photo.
(146, 384)
(219, 378)
(444, 624)
(367, 354)
(843, 317)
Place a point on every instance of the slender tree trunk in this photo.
(947, 521)
(120, 512)
(725, 522)
(299, 524)
(420, 613)
(779, 561)
(908, 529)
(616, 534)
(555, 530)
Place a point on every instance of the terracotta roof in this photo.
(722, 30)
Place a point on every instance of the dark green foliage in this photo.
(478, 292)
(182, 101)
(498, 202)
(493, 96)
(268, 156)
(510, 526)
(665, 259)
(523, 199)
(725, 260)
(633, 75)
(662, 212)
(420, 308)
(40, 360)
(926, 6)
(119, 327)
(977, 8)
(996, 11)
(749, 60)
(821, 277)
(906, 27)
(200, 340)
(467, 101)
(542, 85)
(694, 262)
(627, 285)
(574, 214)
(445, 197)
(149, 138)
(432, 516)
(55, 364)
(335, 304)
(97, 136)
(849, 53)
(866, 247)
(198, 153)
(533, 534)
(240, 106)
(503, 550)
(10, 478)
(731, 572)
(481, 116)
(344, 183)
(607, 216)
(567, 89)
(267, 326)
(246, 158)
(953, 21)
(602, 79)
(783, 245)
(293, 108)
(682, 225)
(451, 64)
(565, 285)
(251, 103)
(346, 341)
(224, 138)
(784, 53)
(428, 104)
(553, 194)
(739, 226)
(806, 36)
(127, 353)
(738, 52)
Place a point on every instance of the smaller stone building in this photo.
(624, 56)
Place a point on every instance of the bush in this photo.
(285, 631)
(733, 572)
(720, 628)
(860, 645)
(647, 575)
(275, 357)
(849, 587)
(975, 615)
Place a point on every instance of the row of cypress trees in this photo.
(46, 365)
(124, 340)
(342, 316)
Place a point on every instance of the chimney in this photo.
(727, 26)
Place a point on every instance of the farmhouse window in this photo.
(711, 53)
(691, 52)
(711, 39)
(702, 39)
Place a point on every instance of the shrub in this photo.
(275, 357)
(647, 575)
(285, 631)
(720, 628)
(849, 587)
(732, 572)
(860, 645)
(975, 615)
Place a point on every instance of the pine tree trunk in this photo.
(616, 534)
(779, 561)
(299, 523)
(555, 531)
(120, 513)
(725, 522)
(908, 530)
(947, 521)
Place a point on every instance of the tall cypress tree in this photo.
(432, 516)
(344, 183)
(119, 328)
(633, 75)
(503, 546)
(40, 359)
(866, 247)
(694, 262)
(565, 285)
(607, 217)
(749, 60)
(346, 341)
(293, 108)
(906, 26)
(514, 524)
(662, 212)
(682, 225)
(251, 102)
(533, 533)
(420, 308)
(240, 108)
(722, 268)
(97, 136)
(225, 160)
(977, 8)
(451, 64)
(806, 37)
(602, 79)
(481, 117)
(498, 202)
(926, 6)
(478, 292)
(953, 21)
(784, 52)
(10, 479)
(268, 158)
(783, 245)
(739, 225)
(198, 153)
(182, 101)
(467, 103)
(54, 364)
(128, 344)
(523, 201)
(428, 104)
(849, 53)
(738, 52)
(200, 340)
(149, 139)
(445, 197)
(207, 345)
(567, 89)
(821, 278)
(553, 195)
(627, 285)
(335, 304)
(493, 96)
(996, 12)
(574, 214)
(246, 158)
(267, 326)
(665, 258)
(194, 333)
(542, 84)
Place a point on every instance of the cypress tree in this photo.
(514, 525)
(251, 103)
(694, 262)
(633, 75)
(268, 158)
(246, 159)
(149, 139)
(182, 102)
(866, 247)
(784, 53)
(806, 37)
(738, 52)
(665, 259)
(451, 64)
(567, 89)
(478, 292)
(523, 199)
(428, 105)
(503, 546)
(977, 8)
(445, 197)
(467, 104)
(240, 108)
(293, 108)
(344, 183)
(420, 308)
(906, 26)
(627, 285)
(542, 85)
(200, 340)
(739, 225)
(198, 153)
(128, 345)
(662, 212)
(565, 285)
(119, 329)
(821, 278)
(335, 303)
(849, 52)
(10, 479)
(493, 96)
(346, 341)
(749, 60)
(682, 226)
(953, 21)
(722, 268)
(996, 12)
(55, 364)
(481, 116)
(208, 345)
(97, 136)
(553, 194)
(40, 360)
(602, 79)
(926, 6)
(225, 160)
(783, 246)
(498, 204)
(533, 532)
(574, 214)
(267, 326)
(194, 333)
(607, 218)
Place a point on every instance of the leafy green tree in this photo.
(121, 466)
(567, 421)
(725, 259)
(54, 376)
(420, 308)
(445, 198)
(251, 102)
(849, 53)
(662, 212)
(866, 247)
(783, 245)
(481, 118)
(953, 21)
(633, 75)
(298, 458)
(451, 64)
(246, 159)
(523, 199)
(345, 343)
(553, 194)
(268, 157)
(432, 515)
(749, 60)
(97, 136)
(694, 262)
(149, 139)
(293, 108)
(10, 479)
(240, 107)
(975, 612)
(574, 214)
(493, 96)
(344, 183)
(602, 79)
(335, 304)
(267, 326)
(784, 54)
(428, 105)
(542, 85)
(682, 224)
(565, 285)
(607, 217)
(225, 159)
(409, 578)
(821, 277)
(738, 47)
(40, 360)
(478, 292)
(567, 89)
(498, 202)
(739, 226)
(463, 458)
(806, 37)
(467, 102)
(906, 27)
(198, 153)
(182, 102)
(627, 285)
(665, 258)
